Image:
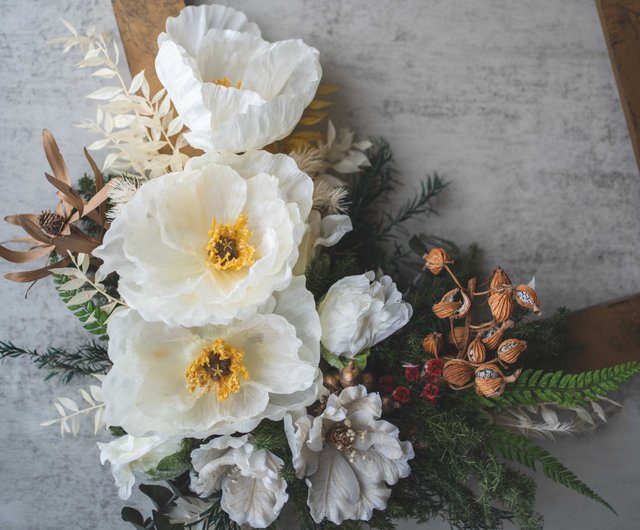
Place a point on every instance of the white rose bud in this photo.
(358, 312)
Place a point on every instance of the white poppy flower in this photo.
(347, 455)
(212, 242)
(321, 231)
(234, 90)
(357, 313)
(253, 492)
(176, 381)
(129, 454)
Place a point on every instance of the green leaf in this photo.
(159, 495)
(518, 448)
(163, 522)
(133, 516)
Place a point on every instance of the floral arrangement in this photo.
(233, 258)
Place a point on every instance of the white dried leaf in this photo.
(85, 395)
(91, 61)
(72, 285)
(109, 160)
(98, 144)
(69, 26)
(105, 93)
(136, 82)
(97, 421)
(158, 95)
(108, 122)
(82, 297)
(164, 107)
(145, 88)
(123, 120)
(60, 409)
(105, 73)
(175, 126)
(69, 404)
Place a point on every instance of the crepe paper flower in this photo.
(253, 492)
(210, 243)
(234, 90)
(347, 455)
(209, 380)
(321, 232)
(129, 454)
(358, 312)
(434, 368)
(430, 392)
(52, 231)
(341, 153)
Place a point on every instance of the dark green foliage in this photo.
(566, 390)
(547, 339)
(518, 448)
(374, 224)
(322, 272)
(93, 319)
(174, 465)
(89, 359)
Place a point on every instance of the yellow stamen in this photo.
(228, 247)
(218, 369)
(224, 81)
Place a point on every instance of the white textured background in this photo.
(513, 100)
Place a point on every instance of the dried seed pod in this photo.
(501, 304)
(509, 351)
(457, 373)
(477, 351)
(491, 337)
(490, 380)
(436, 259)
(456, 337)
(450, 306)
(369, 380)
(433, 343)
(527, 297)
(331, 380)
(350, 375)
(499, 279)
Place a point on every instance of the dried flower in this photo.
(510, 350)
(430, 392)
(436, 260)
(412, 373)
(433, 343)
(457, 373)
(501, 304)
(454, 304)
(434, 367)
(55, 230)
(528, 298)
(476, 352)
(401, 395)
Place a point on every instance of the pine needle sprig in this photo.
(517, 448)
(567, 390)
(89, 359)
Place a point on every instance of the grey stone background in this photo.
(513, 100)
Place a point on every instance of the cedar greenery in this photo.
(85, 360)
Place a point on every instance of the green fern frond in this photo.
(517, 448)
(93, 319)
(566, 390)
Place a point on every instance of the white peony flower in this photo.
(253, 492)
(342, 153)
(321, 232)
(212, 242)
(234, 90)
(357, 313)
(347, 455)
(176, 381)
(129, 454)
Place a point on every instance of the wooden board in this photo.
(605, 335)
(621, 25)
(140, 22)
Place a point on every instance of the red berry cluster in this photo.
(430, 377)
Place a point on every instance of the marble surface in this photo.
(514, 101)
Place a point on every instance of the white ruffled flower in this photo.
(195, 382)
(234, 90)
(347, 455)
(253, 492)
(358, 312)
(212, 242)
(321, 231)
(342, 153)
(129, 454)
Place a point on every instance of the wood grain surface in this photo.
(621, 25)
(140, 22)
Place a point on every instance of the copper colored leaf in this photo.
(34, 275)
(54, 157)
(17, 256)
(69, 194)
